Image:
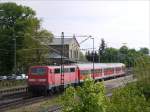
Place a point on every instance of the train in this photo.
(51, 78)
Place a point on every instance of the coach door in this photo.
(57, 76)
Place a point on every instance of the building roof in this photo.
(55, 56)
(67, 41)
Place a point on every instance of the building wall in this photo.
(71, 50)
(74, 50)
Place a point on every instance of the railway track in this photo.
(21, 102)
(27, 100)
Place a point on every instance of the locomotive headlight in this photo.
(42, 80)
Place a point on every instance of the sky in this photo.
(118, 22)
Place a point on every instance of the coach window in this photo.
(57, 70)
(100, 70)
(72, 69)
(85, 72)
(97, 71)
(105, 70)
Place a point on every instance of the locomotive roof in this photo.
(66, 66)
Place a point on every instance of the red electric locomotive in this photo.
(46, 78)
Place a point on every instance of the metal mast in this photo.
(62, 59)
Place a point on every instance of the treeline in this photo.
(21, 36)
(112, 55)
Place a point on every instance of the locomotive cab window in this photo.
(38, 71)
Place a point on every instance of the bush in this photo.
(128, 99)
(88, 98)
(142, 71)
(91, 98)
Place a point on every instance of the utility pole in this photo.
(62, 60)
(14, 38)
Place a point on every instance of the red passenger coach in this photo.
(101, 70)
(45, 78)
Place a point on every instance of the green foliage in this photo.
(142, 73)
(91, 97)
(89, 56)
(101, 49)
(44, 36)
(88, 98)
(142, 69)
(110, 55)
(20, 23)
(82, 57)
(113, 55)
(144, 50)
(128, 99)
(123, 50)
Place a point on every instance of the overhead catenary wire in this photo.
(47, 46)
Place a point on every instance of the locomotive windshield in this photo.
(38, 71)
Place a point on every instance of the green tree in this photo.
(144, 50)
(44, 36)
(110, 55)
(82, 57)
(123, 49)
(128, 99)
(101, 50)
(88, 56)
(142, 73)
(96, 58)
(88, 98)
(36, 53)
(20, 23)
